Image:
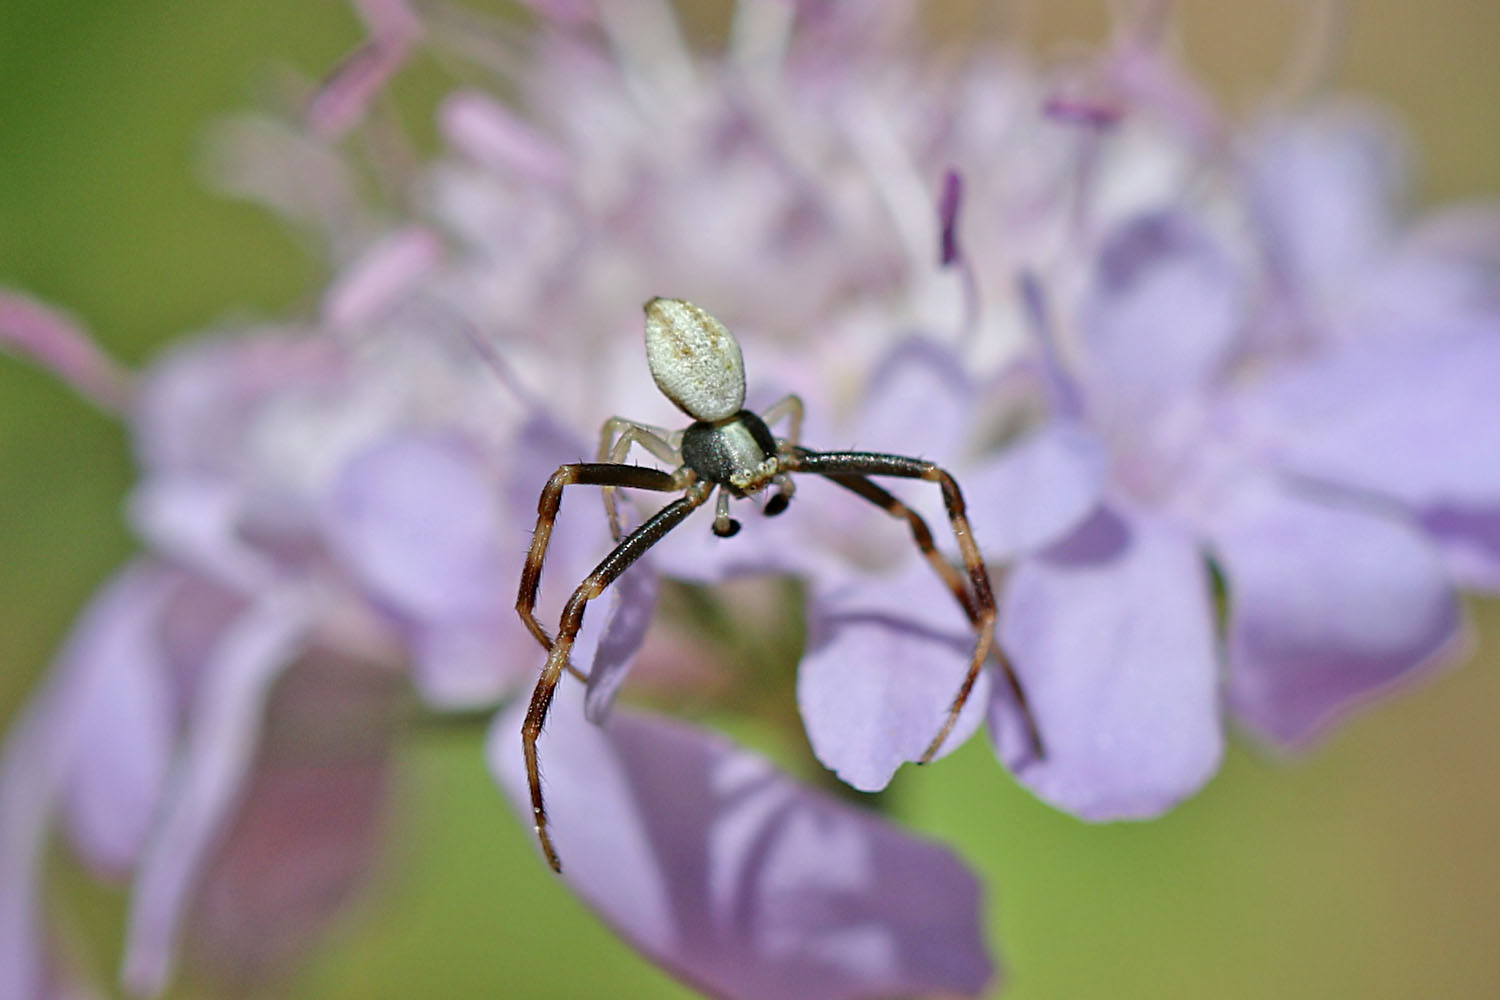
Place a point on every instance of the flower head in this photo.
(1152, 367)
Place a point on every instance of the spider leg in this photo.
(585, 474)
(850, 470)
(791, 408)
(627, 552)
(611, 449)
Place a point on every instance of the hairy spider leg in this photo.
(627, 552)
(611, 449)
(578, 474)
(850, 469)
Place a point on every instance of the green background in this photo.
(1368, 868)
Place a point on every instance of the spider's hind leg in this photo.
(851, 471)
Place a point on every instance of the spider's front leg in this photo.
(577, 474)
(627, 552)
(850, 469)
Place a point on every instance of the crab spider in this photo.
(697, 364)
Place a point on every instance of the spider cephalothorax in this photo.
(698, 365)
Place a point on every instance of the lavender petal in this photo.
(209, 778)
(884, 660)
(1330, 603)
(1111, 632)
(736, 879)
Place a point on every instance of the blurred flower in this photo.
(1154, 352)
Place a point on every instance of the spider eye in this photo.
(694, 359)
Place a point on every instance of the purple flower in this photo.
(1221, 416)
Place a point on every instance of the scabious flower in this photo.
(1156, 352)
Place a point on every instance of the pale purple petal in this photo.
(495, 136)
(1418, 423)
(919, 401)
(417, 519)
(35, 752)
(1035, 491)
(127, 726)
(306, 834)
(57, 343)
(345, 97)
(884, 660)
(632, 605)
(796, 542)
(195, 520)
(303, 843)
(1323, 188)
(196, 400)
(736, 879)
(1112, 634)
(1160, 315)
(208, 780)
(1330, 603)
(380, 277)
(96, 742)
(470, 664)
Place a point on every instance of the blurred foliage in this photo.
(1367, 868)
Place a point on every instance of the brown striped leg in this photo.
(849, 470)
(627, 552)
(583, 474)
(611, 449)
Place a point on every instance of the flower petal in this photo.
(884, 660)
(63, 347)
(632, 605)
(209, 778)
(1329, 603)
(1161, 313)
(44, 753)
(306, 833)
(1111, 632)
(370, 285)
(1419, 423)
(1035, 491)
(1323, 188)
(735, 878)
(125, 722)
(919, 401)
(416, 518)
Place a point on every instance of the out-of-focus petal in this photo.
(195, 520)
(735, 878)
(1111, 632)
(1416, 422)
(470, 664)
(64, 348)
(380, 276)
(884, 659)
(125, 724)
(919, 402)
(416, 518)
(1323, 189)
(345, 97)
(1329, 604)
(96, 741)
(306, 835)
(1035, 491)
(1160, 315)
(208, 780)
(495, 136)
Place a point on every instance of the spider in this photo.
(698, 365)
